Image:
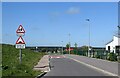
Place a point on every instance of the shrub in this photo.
(5, 67)
(112, 57)
(97, 56)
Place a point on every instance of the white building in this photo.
(114, 44)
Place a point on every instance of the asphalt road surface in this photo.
(67, 67)
(102, 64)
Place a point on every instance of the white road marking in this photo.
(104, 71)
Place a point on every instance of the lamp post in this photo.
(62, 47)
(118, 31)
(88, 20)
(69, 43)
(118, 40)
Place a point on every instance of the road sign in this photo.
(20, 40)
(20, 46)
(20, 43)
(20, 31)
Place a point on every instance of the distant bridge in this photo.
(46, 48)
(55, 48)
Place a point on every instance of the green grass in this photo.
(11, 66)
(0, 61)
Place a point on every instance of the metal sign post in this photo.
(20, 44)
(20, 56)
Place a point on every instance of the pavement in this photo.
(43, 64)
(104, 65)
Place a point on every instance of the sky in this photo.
(59, 0)
(0, 23)
(50, 23)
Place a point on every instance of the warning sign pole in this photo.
(20, 56)
(20, 44)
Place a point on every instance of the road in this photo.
(62, 66)
(102, 64)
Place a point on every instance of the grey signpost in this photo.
(20, 56)
(20, 43)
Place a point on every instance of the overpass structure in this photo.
(56, 48)
(46, 48)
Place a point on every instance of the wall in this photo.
(115, 42)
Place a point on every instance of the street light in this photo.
(62, 47)
(88, 20)
(118, 40)
(69, 43)
(118, 31)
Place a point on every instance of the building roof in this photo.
(118, 36)
(98, 47)
(109, 42)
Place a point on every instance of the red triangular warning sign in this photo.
(20, 41)
(20, 29)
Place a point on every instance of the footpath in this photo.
(102, 65)
(43, 64)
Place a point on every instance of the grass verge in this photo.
(10, 61)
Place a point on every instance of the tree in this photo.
(85, 48)
(75, 48)
(67, 46)
(75, 45)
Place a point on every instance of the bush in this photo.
(5, 67)
(112, 57)
(118, 59)
(97, 56)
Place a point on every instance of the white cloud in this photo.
(73, 10)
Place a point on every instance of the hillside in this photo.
(0, 60)
(10, 61)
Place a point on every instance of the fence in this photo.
(100, 54)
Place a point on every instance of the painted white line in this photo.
(104, 71)
(57, 57)
(104, 60)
